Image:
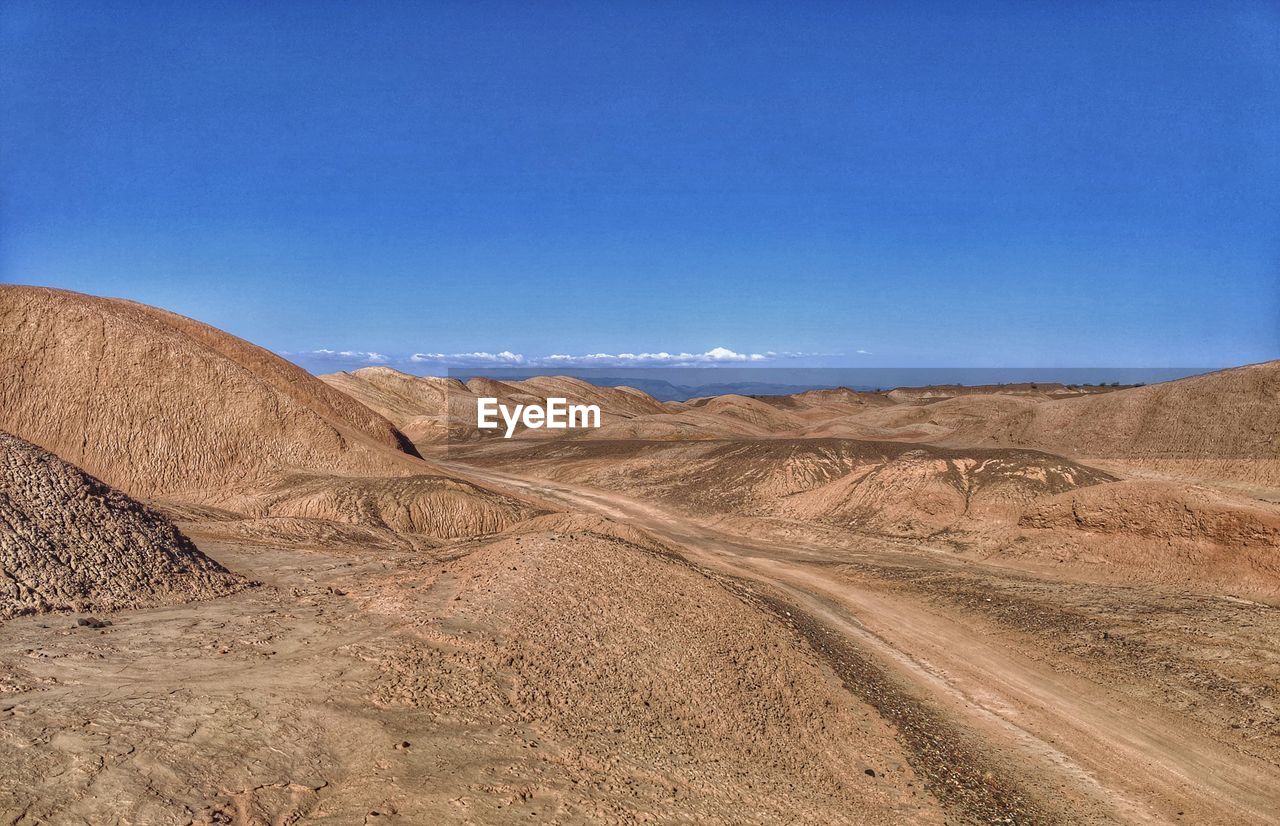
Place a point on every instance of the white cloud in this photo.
(506, 358)
(863, 352)
(345, 356)
(476, 359)
(716, 355)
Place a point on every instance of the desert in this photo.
(240, 593)
(583, 413)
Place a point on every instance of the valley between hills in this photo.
(234, 592)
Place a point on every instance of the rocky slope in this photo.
(68, 542)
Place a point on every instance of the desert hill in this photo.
(1155, 531)
(879, 487)
(419, 405)
(752, 411)
(68, 542)
(431, 410)
(727, 421)
(161, 405)
(704, 701)
(433, 506)
(1222, 425)
(1162, 510)
(398, 396)
(1042, 390)
(745, 616)
(736, 416)
(933, 421)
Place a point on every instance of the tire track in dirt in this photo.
(974, 786)
(1092, 752)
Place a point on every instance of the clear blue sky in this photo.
(949, 184)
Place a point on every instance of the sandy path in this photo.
(549, 676)
(1104, 755)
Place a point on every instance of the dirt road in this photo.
(1086, 744)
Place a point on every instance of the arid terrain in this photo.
(234, 592)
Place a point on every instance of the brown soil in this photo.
(539, 677)
(1075, 701)
(70, 543)
(159, 405)
(1220, 425)
(434, 410)
(884, 487)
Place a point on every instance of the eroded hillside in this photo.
(68, 542)
(160, 405)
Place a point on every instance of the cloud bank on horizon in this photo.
(365, 357)
(506, 358)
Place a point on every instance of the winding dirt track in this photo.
(1083, 749)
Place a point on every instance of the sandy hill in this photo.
(1034, 389)
(838, 412)
(882, 487)
(926, 422)
(502, 390)
(712, 417)
(435, 506)
(160, 405)
(614, 402)
(415, 404)
(752, 411)
(678, 425)
(431, 410)
(692, 688)
(69, 542)
(1163, 510)
(736, 416)
(1163, 532)
(836, 399)
(398, 396)
(1222, 425)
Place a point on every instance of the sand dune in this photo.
(160, 405)
(68, 542)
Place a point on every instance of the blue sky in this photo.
(931, 184)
